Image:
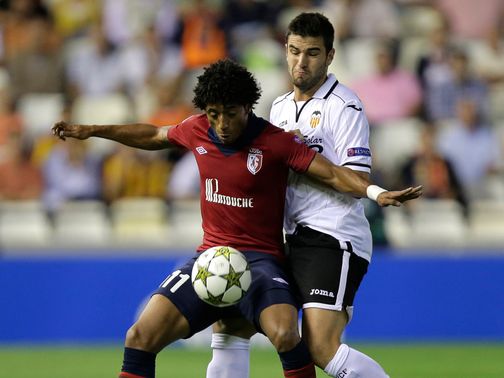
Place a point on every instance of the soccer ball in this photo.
(221, 276)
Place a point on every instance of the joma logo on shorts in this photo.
(325, 293)
(342, 374)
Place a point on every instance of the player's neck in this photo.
(302, 96)
(305, 95)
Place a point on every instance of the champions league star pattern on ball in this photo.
(221, 276)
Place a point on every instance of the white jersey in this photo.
(333, 123)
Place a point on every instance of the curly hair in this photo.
(228, 83)
(312, 25)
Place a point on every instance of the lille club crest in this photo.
(254, 162)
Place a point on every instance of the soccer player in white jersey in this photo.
(328, 236)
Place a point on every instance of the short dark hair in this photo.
(226, 82)
(312, 25)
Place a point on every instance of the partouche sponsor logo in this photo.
(212, 195)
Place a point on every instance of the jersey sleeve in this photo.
(352, 136)
(298, 155)
(181, 134)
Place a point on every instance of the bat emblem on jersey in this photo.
(315, 119)
(254, 161)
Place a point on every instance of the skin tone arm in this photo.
(138, 135)
(348, 181)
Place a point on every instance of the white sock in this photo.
(350, 363)
(230, 357)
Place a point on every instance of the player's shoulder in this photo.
(343, 96)
(276, 136)
(283, 99)
(196, 120)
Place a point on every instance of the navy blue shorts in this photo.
(269, 286)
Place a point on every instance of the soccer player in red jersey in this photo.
(243, 162)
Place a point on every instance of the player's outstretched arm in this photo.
(138, 135)
(347, 181)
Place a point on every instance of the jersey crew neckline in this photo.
(254, 128)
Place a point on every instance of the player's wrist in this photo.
(373, 191)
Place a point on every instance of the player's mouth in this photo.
(225, 138)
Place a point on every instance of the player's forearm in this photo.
(136, 135)
(342, 179)
(348, 181)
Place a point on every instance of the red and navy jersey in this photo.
(243, 185)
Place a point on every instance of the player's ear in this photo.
(330, 57)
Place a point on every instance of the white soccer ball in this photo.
(221, 276)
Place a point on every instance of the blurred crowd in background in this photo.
(429, 72)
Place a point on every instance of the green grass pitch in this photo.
(400, 360)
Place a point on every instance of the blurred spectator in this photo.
(184, 181)
(146, 36)
(171, 108)
(16, 23)
(472, 147)
(164, 58)
(20, 178)
(203, 38)
(126, 20)
(441, 95)
(10, 120)
(73, 17)
(373, 19)
(433, 66)
(94, 67)
(245, 21)
(429, 168)
(128, 172)
(39, 68)
(471, 19)
(71, 172)
(392, 93)
(488, 57)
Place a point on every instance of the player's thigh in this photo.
(322, 331)
(178, 289)
(159, 324)
(240, 327)
(279, 323)
(270, 286)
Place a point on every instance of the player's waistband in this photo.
(324, 238)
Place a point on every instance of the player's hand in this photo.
(396, 198)
(64, 130)
(297, 132)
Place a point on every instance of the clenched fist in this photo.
(64, 130)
